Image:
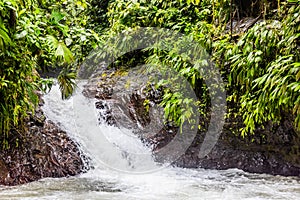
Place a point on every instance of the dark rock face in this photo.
(47, 151)
(273, 150)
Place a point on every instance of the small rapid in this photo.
(110, 147)
(123, 167)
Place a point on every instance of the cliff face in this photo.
(273, 149)
(46, 151)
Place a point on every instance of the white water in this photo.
(120, 175)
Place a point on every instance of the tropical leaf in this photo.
(4, 34)
(66, 80)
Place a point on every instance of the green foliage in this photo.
(66, 80)
(261, 68)
(265, 71)
(190, 17)
(35, 35)
(177, 15)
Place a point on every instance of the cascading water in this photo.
(109, 146)
(112, 151)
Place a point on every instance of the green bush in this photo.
(259, 65)
(35, 35)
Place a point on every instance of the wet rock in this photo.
(241, 26)
(46, 151)
(4, 171)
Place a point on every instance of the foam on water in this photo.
(116, 153)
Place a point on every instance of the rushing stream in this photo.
(124, 168)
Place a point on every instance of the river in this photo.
(123, 167)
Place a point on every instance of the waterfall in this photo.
(115, 151)
(110, 147)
